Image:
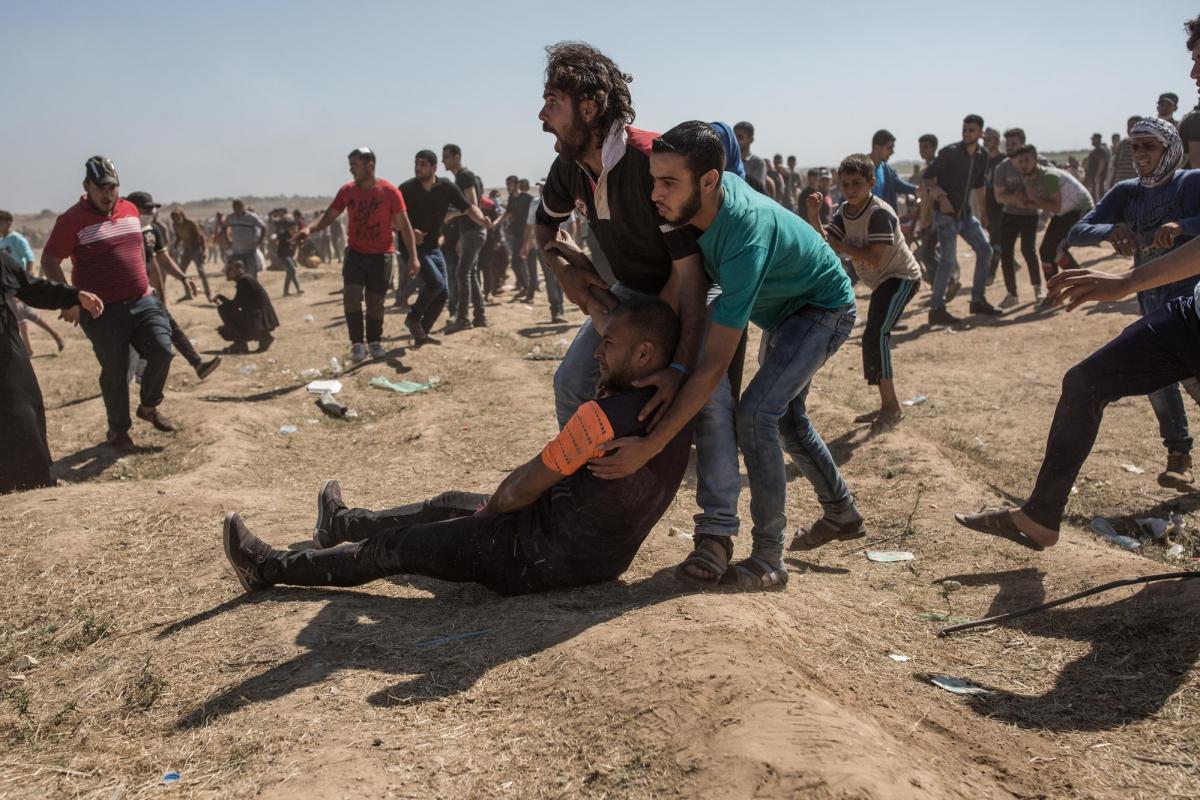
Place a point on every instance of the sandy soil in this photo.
(152, 660)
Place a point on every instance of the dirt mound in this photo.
(152, 661)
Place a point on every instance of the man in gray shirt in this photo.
(245, 232)
(1020, 219)
(756, 168)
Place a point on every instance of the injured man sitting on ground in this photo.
(551, 523)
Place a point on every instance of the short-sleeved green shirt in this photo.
(769, 262)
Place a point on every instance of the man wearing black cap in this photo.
(1168, 104)
(158, 261)
(102, 235)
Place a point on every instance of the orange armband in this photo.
(579, 440)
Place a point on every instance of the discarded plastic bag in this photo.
(403, 387)
(957, 685)
(916, 401)
(889, 556)
(171, 777)
(288, 430)
(324, 387)
(1104, 529)
(1134, 468)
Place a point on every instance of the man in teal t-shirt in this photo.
(777, 272)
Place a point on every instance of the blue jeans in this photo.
(143, 325)
(431, 297)
(772, 407)
(554, 292)
(290, 278)
(464, 271)
(948, 230)
(1167, 402)
(719, 480)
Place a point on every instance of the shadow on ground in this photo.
(1142, 650)
(440, 644)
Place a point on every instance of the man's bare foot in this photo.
(1038, 533)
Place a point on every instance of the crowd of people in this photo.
(672, 244)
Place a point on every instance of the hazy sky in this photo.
(268, 97)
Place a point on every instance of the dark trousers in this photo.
(431, 296)
(290, 279)
(439, 538)
(239, 326)
(464, 271)
(142, 324)
(183, 344)
(1023, 227)
(365, 276)
(195, 254)
(887, 303)
(1056, 234)
(1158, 350)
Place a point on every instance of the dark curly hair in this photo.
(582, 72)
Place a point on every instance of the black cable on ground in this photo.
(1062, 600)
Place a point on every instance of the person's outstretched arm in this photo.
(1075, 287)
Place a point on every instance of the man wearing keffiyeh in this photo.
(1149, 217)
(1146, 217)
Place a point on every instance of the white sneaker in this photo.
(1009, 301)
(377, 350)
(1039, 293)
(358, 352)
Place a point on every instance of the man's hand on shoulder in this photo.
(623, 457)
(666, 383)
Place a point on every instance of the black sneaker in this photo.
(246, 553)
(985, 308)
(329, 503)
(456, 325)
(417, 330)
(206, 368)
(480, 322)
(940, 316)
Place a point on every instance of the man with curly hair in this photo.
(603, 170)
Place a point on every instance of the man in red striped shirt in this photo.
(102, 235)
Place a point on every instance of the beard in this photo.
(574, 141)
(689, 209)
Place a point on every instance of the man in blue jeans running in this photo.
(603, 170)
(776, 271)
(960, 170)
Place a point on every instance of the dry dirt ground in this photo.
(152, 660)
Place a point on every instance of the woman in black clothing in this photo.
(24, 455)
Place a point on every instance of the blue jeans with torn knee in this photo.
(773, 409)
(719, 481)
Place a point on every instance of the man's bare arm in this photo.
(685, 292)
(522, 487)
(52, 268)
(324, 222)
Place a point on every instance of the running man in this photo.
(102, 235)
(428, 198)
(376, 209)
(158, 261)
(551, 524)
(960, 171)
(1059, 194)
(774, 269)
(191, 247)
